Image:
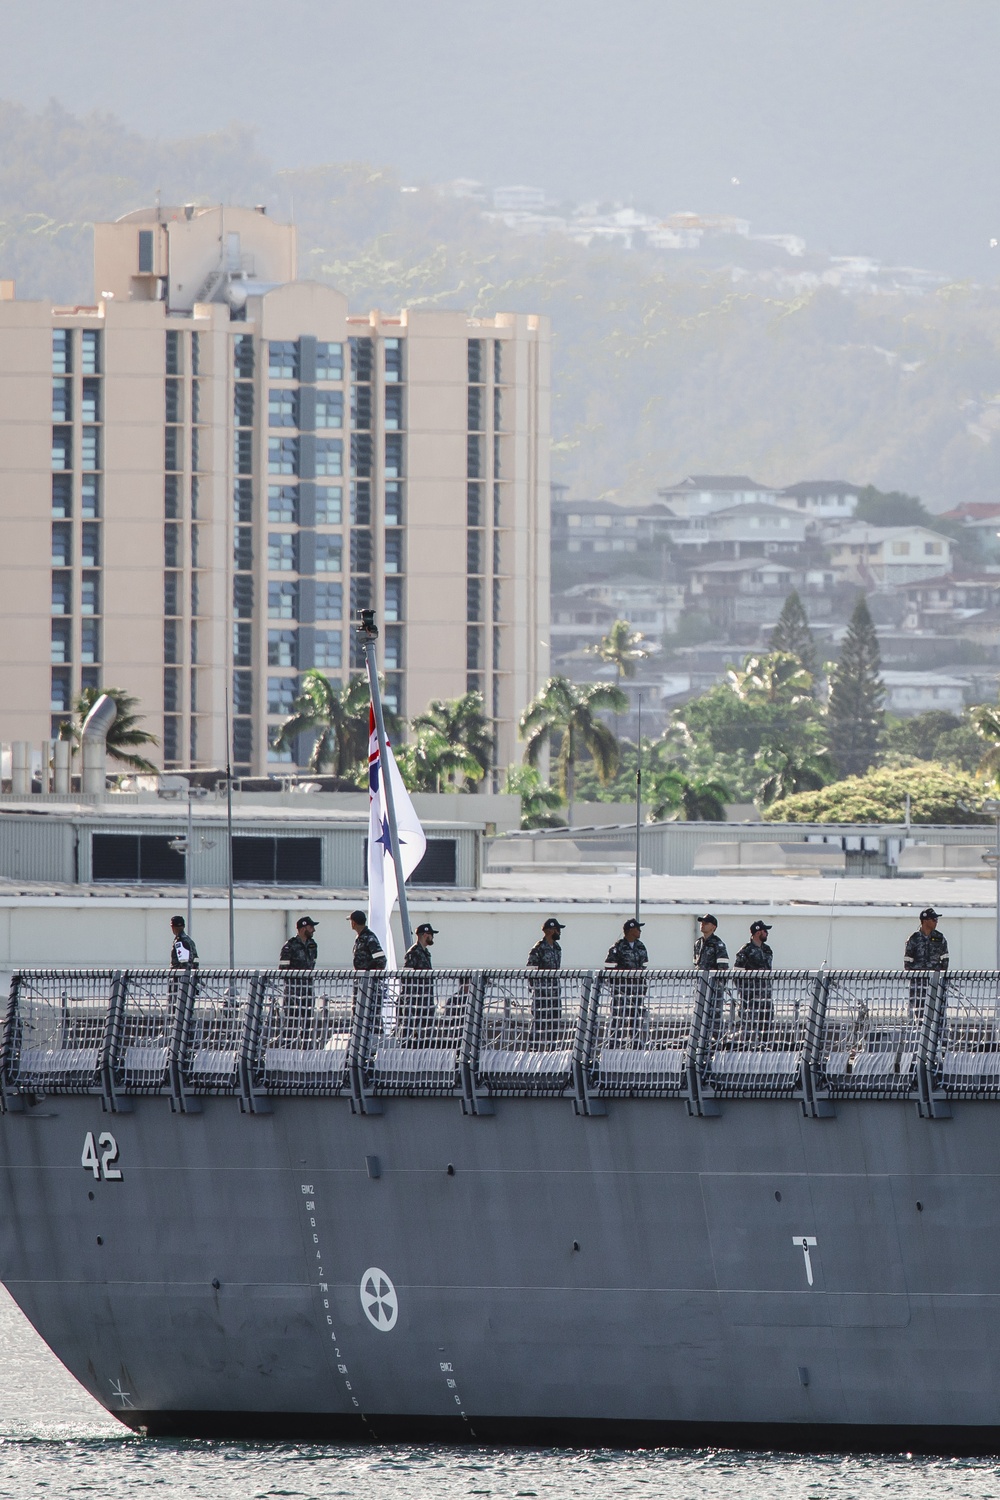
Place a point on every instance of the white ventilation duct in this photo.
(94, 744)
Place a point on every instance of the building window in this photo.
(172, 448)
(171, 545)
(243, 596)
(90, 641)
(62, 495)
(900, 549)
(243, 502)
(361, 551)
(933, 549)
(62, 447)
(62, 544)
(172, 360)
(90, 545)
(278, 860)
(171, 594)
(61, 593)
(327, 649)
(242, 740)
(62, 646)
(329, 457)
(393, 455)
(497, 409)
(393, 503)
(329, 601)
(473, 552)
(361, 408)
(90, 594)
(474, 599)
(62, 351)
(243, 692)
(475, 361)
(329, 550)
(135, 857)
(329, 505)
(171, 690)
(282, 601)
(59, 691)
(361, 455)
(393, 697)
(394, 552)
(243, 404)
(283, 360)
(243, 361)
(242, 645)
(281, 694)
(172, 400)
(393, 360)
(474, 457)
(283, 455)
(281, 551)
(474, 504)
(90, 353)
(283, 503)
(62, 400)
(362, 359)
(330, 409)
(90, 401)
(475, 408)
(282, 408)
(473, 648)
(329, 361)
(394, 408)
(394, 599)
(497, 361)
(282, 648)
(145, 252)
(361, 504)
(90, 447)
(243, 548)
(392, 648)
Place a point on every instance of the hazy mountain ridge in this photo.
(661, 366)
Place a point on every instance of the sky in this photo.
(867, 126)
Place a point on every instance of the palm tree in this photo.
(570, 711)
(790, 770)
(338, 720)
(462, 724)
(986, 718)
(430, 759)
(675, 796)
(778, 677)
(124, 736)
(622, 648)
(538, 801)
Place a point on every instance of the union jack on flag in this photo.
(382, 891)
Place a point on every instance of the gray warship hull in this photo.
(737, 1257)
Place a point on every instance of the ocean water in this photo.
(56, 1442)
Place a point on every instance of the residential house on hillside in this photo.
(756, 530)
(701, 494)
(885, 556)
(737, 592)
(822, 499)
(950, 599)
(909, 693)
(596, 526)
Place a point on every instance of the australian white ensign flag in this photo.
(382, 892)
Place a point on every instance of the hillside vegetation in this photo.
(662, 364)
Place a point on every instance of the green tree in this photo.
(431, 763)
(570, 711)
(938, 794)
(788, 770)
(672, 795)
(538, 801)
(337, 719)
(124, 736)
(621, 648)
(855, 715)
(778, 678)
(462, 724)
(792, 635)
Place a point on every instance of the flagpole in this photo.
(368, 632)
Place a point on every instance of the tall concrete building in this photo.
(204, 476)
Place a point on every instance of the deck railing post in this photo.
(251, 1102)
(367, 1001)
(930, 1107)
(180, 1041)
(815, 1105)
(11, 1101)
(584, 1044)
(473, 1103)
(708, 1004)
(111, 1100)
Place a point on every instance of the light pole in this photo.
(185, 846)
(991, 805)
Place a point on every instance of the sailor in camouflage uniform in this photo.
(628, 957)
(710, 951)
(299, 956)
(415, 1021)
(546, 956)
(926, 953)
(753, 983)
(368, 955)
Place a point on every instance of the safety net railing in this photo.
(58, 1031)
(303, 1030)
(418, 1031)
(642, 1035)
(756, 1031)
(966, 1060)
(576, 1033)
(868, 1032)
(529, 1029)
